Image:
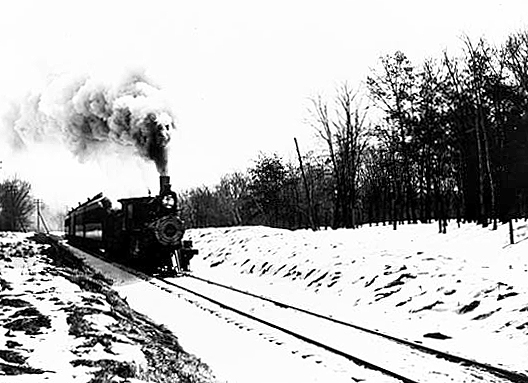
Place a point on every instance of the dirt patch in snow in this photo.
(31, 323)
(10, 369)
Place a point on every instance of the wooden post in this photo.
(307, 190)
(510, 224)
(44, 223)
(38, 215)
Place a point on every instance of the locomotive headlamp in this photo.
(168, 201)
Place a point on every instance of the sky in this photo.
(238, 75)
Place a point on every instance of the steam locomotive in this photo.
(146, 233)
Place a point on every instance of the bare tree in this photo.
(478, 67)
(321, 122)
(232, 191)
(16, 205)
(393, 88)
(516, 59)
(345, 135)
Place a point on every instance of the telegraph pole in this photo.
(38, 215)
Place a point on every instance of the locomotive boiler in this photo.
(145, 233)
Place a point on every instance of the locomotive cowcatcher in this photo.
(146, 233)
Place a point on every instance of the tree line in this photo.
(443, 139)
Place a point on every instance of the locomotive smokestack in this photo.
(165, 185)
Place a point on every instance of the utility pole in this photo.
(38, 215)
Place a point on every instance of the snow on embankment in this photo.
(465, 291)
(62, 322)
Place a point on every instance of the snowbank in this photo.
(465, 292)
(62, 322)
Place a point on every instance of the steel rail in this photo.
(513, 376)
(224, 306)
(304, 338)
(502, 373)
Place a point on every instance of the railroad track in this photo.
(397, 358)
(497, 371)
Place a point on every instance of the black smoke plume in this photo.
(90, 116)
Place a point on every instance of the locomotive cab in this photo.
(135, 212)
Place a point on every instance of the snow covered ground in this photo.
(465, 292)
(62, 323)
(237, 350)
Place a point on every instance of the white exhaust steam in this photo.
(89, 117)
